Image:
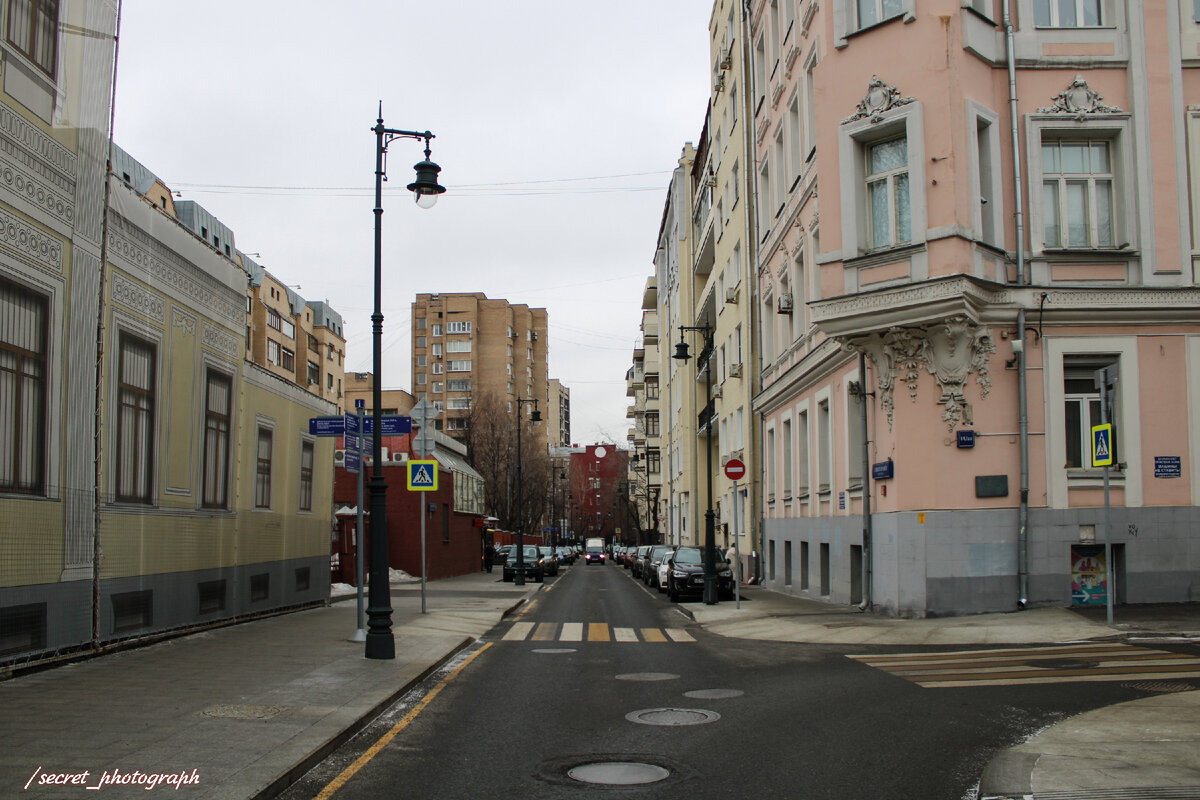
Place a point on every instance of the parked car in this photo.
(566, 556)
(654, 557)
(639, 561)
(549, 560)
(533, 564)
(664, 571)
(502, 553)
(687, 574)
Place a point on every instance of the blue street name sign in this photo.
(883, 470)
(353, 461)
(353, 442)
(966, 438)
(393, 425)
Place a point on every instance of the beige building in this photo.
(465, 346)
(645, 435)
(361, 385)
(557, 415)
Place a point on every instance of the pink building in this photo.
(981, 219)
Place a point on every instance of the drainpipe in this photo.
(756, 471)
(868, 528)
(1022, 389)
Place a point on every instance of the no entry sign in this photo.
(735, 469)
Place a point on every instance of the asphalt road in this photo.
(599, 670)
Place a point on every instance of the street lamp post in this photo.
(710, 524)
(534, 416)
(380, 643)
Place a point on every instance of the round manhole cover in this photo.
(619, 773)
(647, 676)
(226, 711)
(672, 716)
(555, 650)
(713, 694)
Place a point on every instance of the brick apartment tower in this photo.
(465, 345)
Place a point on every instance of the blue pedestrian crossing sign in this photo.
(1102, 455)
(423, 475)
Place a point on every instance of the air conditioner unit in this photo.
(731, 294)
(400, 458)
(719, 84)
(716, 390)
(726, 58)
(735, 370)
(339, 457)
(785, 304)
(533, 336)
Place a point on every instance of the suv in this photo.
(533, 564)
(594, 555)
(687, 574)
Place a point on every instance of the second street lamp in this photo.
(534, 416)
(380, 643)
(710, 525)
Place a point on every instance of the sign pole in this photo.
(360, 635)
(737, 556)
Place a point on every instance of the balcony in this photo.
(706, 417)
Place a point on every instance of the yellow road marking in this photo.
(598, 632)
(653, 635)
(374, 750)
(545, 632)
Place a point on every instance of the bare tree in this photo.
(491, 440)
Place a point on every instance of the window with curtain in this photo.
(217, 402)
(135, 420)
(1077, 193)
(23, 367)
(871, 12)
(262, 473)
(306, 476)
(1081, 401)
(1067, 13)
(33, 30)
(887, 193)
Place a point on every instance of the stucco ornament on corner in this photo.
(950, 351)
(1079, 100)
(880, 97)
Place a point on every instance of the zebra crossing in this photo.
(1107, 661)
(590, 632)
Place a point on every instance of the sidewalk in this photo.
(1145, 749)
(239, 711)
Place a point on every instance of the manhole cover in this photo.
(242, 711)
(555, 650)
(647, 676)
(672, 716)
(619, 773)
(1159, 686)
(713, 694)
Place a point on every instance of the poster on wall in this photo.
(1089, 583)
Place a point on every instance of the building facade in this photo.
(558, 414)
(935, 323)
(643, 385)
(465, 346)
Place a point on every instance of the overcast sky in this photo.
(557, 124)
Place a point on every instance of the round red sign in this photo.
(735, 470)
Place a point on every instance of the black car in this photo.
(638, 564)
(502, 553)
(653, 558)
(533, 564)
(687, 574)
(594, 555)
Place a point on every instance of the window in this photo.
(135, 419)
(787, 459)
(459, 385)
(1077, 193)
(888, 206)
(824, 432)
(872, 12)
(459, 404)
(1081, 408)
(1067, 13)
(262, 473)
(437, 350)
(653, 462)
(437, 329)
(288, 328)
(795, 133)
(329, 351)
(437, 387)
(438, 368)
(422, 360)
(802, 451)
(422, 379)
(274, 320)
(328, 380)
(854, 439)
(458, 327)
(288, 359)
(272, 352)
(23, 366)
(421, 341)
(458, 346)
(459, 365)
(314, 374)
(306, 476)
(33, 30)
(218, 392)
(420, 323)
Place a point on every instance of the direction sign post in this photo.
(1102, 439)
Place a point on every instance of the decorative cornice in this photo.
(1079, 100)
(14, 128)
(880, 98)
(33, 243)
(181, 319)
(143, 301)
(898, 297)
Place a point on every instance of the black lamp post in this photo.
(710, 524)
(380, 643)
(534, 416)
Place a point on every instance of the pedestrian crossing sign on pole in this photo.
(1102, 446)
(423, 475)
